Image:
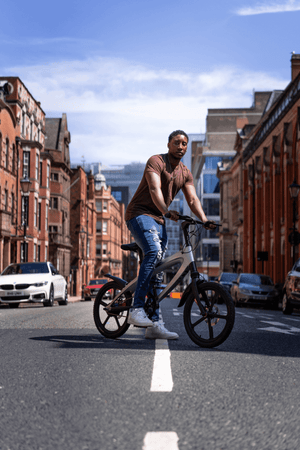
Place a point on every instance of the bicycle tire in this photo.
(213, 330)
(110, 325)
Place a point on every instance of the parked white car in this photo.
(37, 282)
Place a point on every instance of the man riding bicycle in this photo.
(163, 178)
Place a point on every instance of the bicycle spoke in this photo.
(106, 320)
(117, 320)
(220, 316)
(211, 332)
(198, 321)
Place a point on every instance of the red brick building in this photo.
(256, 205)
(57, 143)
(111, 232)
(82, 229)
(270, 164)
(23, 215)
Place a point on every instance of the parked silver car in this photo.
(291, 290)
(253, 288)
(226, 279)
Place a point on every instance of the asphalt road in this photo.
(63, 386)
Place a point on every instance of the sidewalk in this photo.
(75, 299)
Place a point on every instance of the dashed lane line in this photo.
(161, 440)
(162, 380)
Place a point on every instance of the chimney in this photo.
(295, 63)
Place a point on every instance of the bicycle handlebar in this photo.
(191, 219)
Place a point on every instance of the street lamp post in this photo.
(25, 185)
(294, 191)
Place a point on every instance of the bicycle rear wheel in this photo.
(214, 328)
(110, 324)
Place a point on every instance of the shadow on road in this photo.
(259, 342)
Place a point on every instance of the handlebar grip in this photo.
(167, 215)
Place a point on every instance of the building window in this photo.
(35, 211)
(98, 249)
(211, 184)
(26, 164)
(34, 252)
(99, 205)
(41, 173)
(117, 195)
(210, 252)
(24, 251)
(54, 176)
(105, 206)
(13, 207)
(36, 167)
(46, 253)
(48, 175)
(6, 153)
(104, 227)
(46, 218)
(88, 248)
(39, 215)
(24, 200)
(23, 122)
(38, 256)
(54, 203)
(104, 249)
(98, 226)
(5, 199)
(211, 206)
(13, 168)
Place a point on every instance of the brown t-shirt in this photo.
(172, 180)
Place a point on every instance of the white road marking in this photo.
(275, 329)
(161, 440)
(162, 380)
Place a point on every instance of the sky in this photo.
(129, 72)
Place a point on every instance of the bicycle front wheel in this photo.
(111, 324)
(214, 328)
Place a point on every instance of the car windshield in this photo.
(296, 267)
(257, 280)
(228, 276)
(26, 268)
(97, 282)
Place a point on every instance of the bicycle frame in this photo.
(186, 258)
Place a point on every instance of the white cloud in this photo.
(120, 112)
(270, 7)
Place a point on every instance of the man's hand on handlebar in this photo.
(210, 225)
(173, 215)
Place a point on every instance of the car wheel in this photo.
(50, 301)
(287, 308)
(65, 301)
(14, 305)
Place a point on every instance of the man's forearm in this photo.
(197, 209)
(158, 200)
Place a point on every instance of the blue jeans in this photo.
(151, 237)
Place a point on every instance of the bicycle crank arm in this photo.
(116, 309)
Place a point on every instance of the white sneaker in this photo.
(158, 331)
(138, 317)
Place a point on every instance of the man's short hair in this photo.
(175, 133)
